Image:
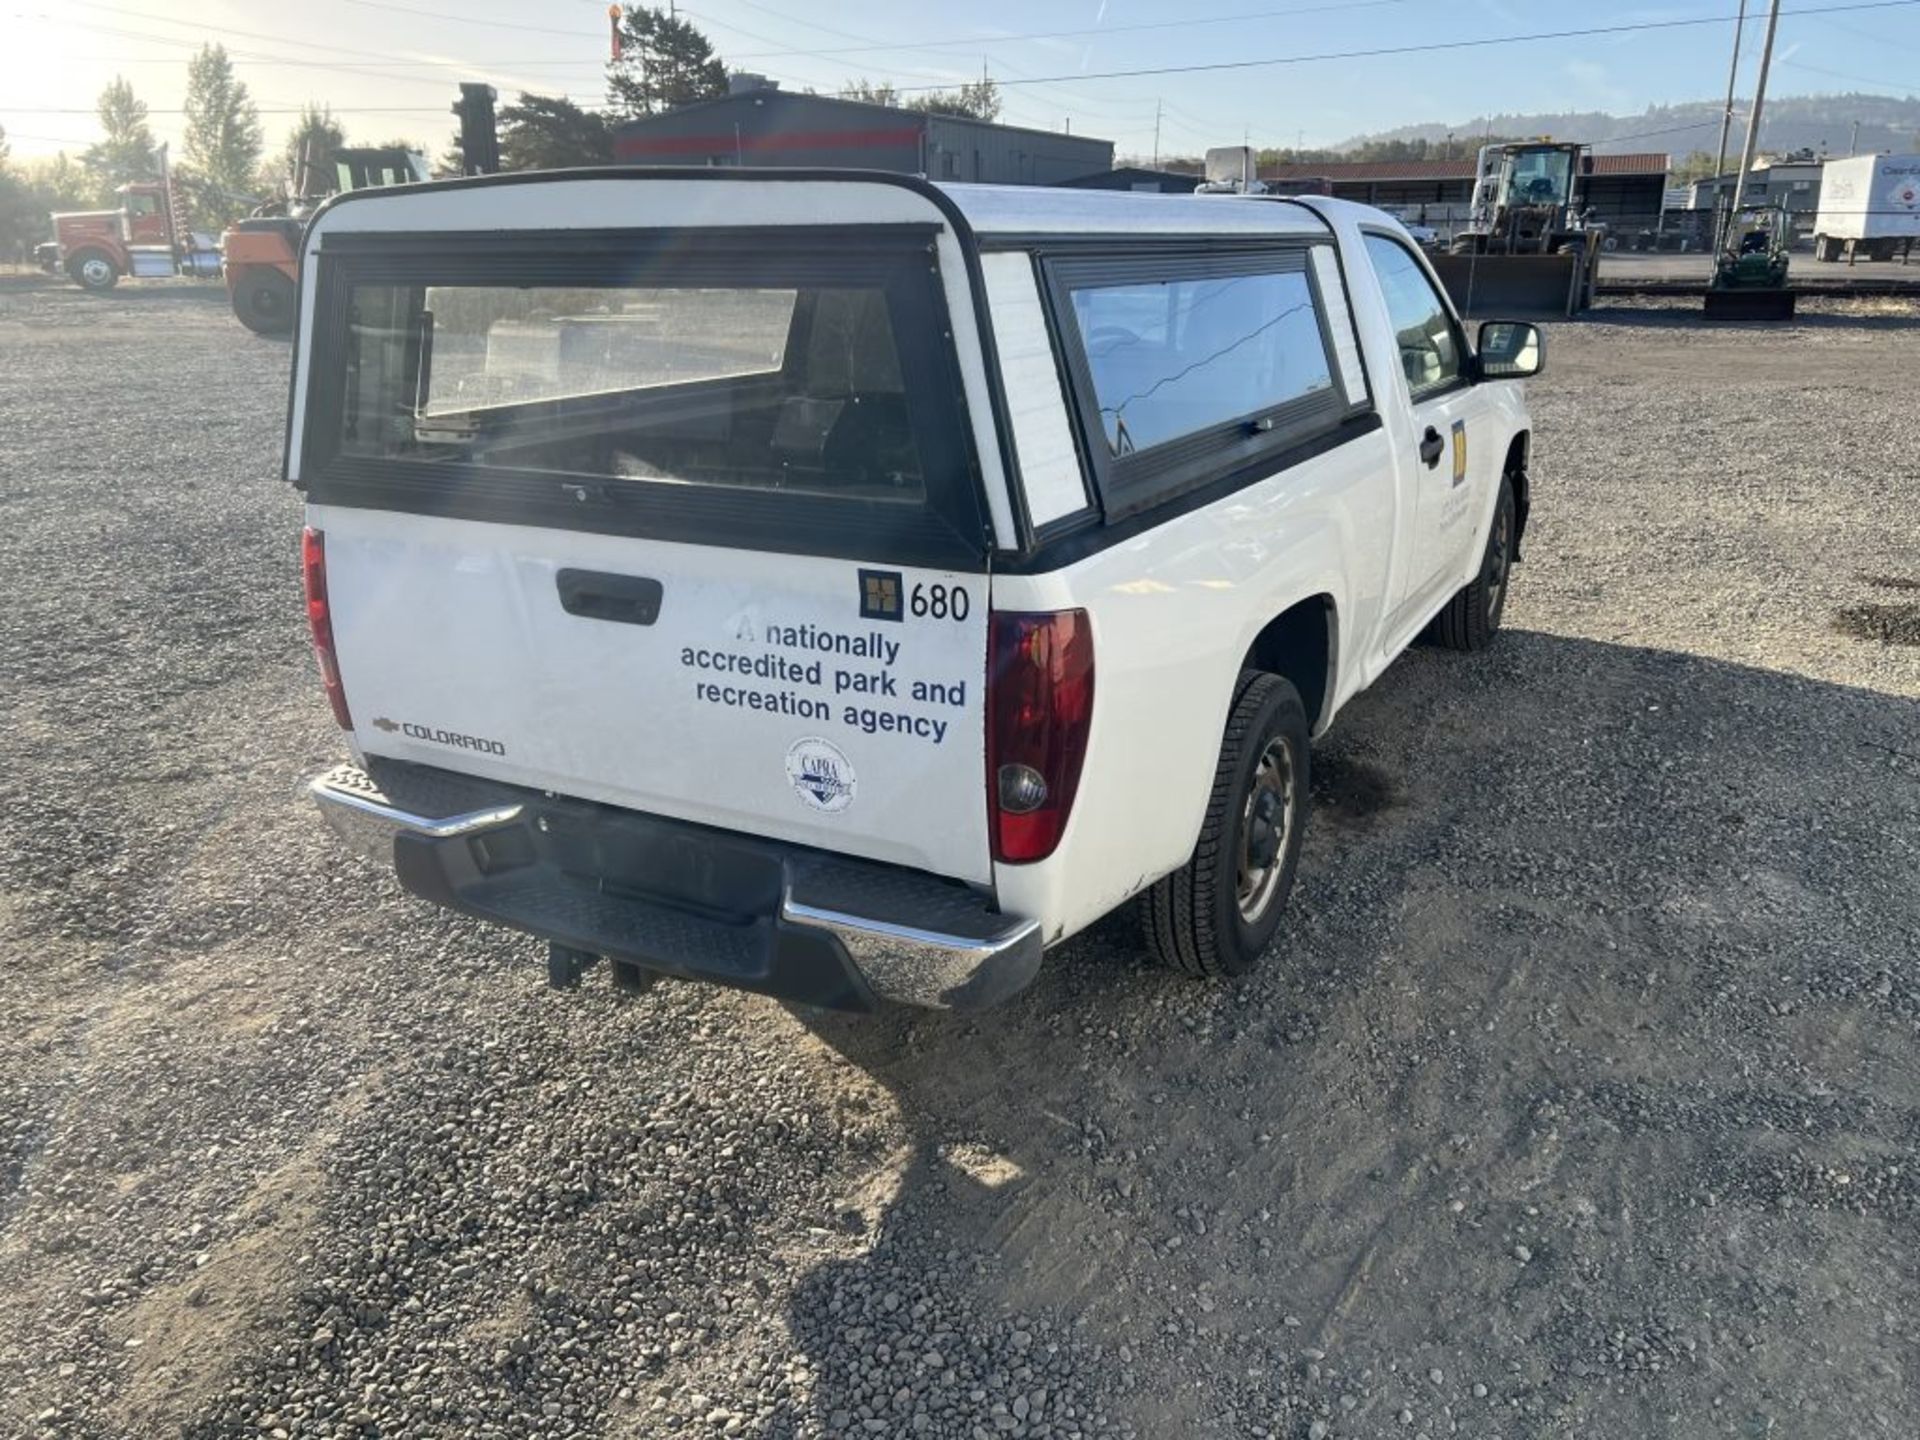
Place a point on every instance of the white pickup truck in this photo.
(845, 587)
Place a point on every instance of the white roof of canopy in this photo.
(1042, 209)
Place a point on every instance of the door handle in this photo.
(626, 599)
(1432, 447)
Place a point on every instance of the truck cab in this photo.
(96, 247)
(1523, 200)
(847, 587)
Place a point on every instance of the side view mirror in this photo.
(1511, 350)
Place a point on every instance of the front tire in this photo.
(1219, 911)
(264, 301)
(93, 270)
(1472, 616)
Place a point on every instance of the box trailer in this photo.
(1869, 208)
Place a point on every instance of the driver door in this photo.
(1452, 459)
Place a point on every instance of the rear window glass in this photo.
(749, 386)
(1172, 357)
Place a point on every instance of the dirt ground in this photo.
(1581, 1097)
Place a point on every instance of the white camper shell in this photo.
(843, 586)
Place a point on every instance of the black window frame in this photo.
(950, 528)
(1263, 441)
(1463, 377)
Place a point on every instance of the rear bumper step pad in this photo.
(679, 898)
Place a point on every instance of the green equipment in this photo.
(1750, 270)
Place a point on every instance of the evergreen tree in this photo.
(976, 100)
(31, 191)
(884, 93)
(223, 138)
(665, 62)
(314, 138)
(127, 151)
(550, 132)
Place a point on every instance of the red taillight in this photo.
(1039, 708)
(313, 569)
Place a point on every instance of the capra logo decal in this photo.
(820, 775)
(880, 595)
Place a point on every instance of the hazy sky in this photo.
(389, 67)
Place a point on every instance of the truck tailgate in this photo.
(808, 699)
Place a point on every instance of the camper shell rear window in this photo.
(792, 390)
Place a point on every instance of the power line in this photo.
(262, 110)
(1094, 31)
(1907, 88)
(390, 72)
(333, 64)
(473, 20)
(345, 67)
(1430, 47)
(946, 81)
(256, 56)
(217, 29)
(1066, 100)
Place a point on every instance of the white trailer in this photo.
(1869, 208)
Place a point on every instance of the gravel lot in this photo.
(1582, 1098)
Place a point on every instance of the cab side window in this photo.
(1429, 345)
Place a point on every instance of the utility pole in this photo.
(1156, 133)
(1853, 140)
(1753, 118)
(1733, 76)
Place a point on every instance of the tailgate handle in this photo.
(628, 599)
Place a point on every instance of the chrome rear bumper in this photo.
(679, 898)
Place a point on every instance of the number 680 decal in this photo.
(939, 602)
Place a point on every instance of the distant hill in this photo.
(1791, 122)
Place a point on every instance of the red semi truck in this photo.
(95, 248)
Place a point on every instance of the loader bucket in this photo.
(1513, 284)
(1764, 303)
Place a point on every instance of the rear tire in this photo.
(264, 300)
(1472, 616)
(93, 270)
(1219, 911)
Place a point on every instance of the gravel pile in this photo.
(1579, 1099)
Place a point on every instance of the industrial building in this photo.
(1622, 191)
(1792, 181)
(1140, 179)
(760, 124)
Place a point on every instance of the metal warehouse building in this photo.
(763, 125)
(1621, 190)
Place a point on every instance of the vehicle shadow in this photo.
(1666, 314)
(1580, 927)
(60, 296)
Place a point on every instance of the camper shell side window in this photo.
(1190, 366)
